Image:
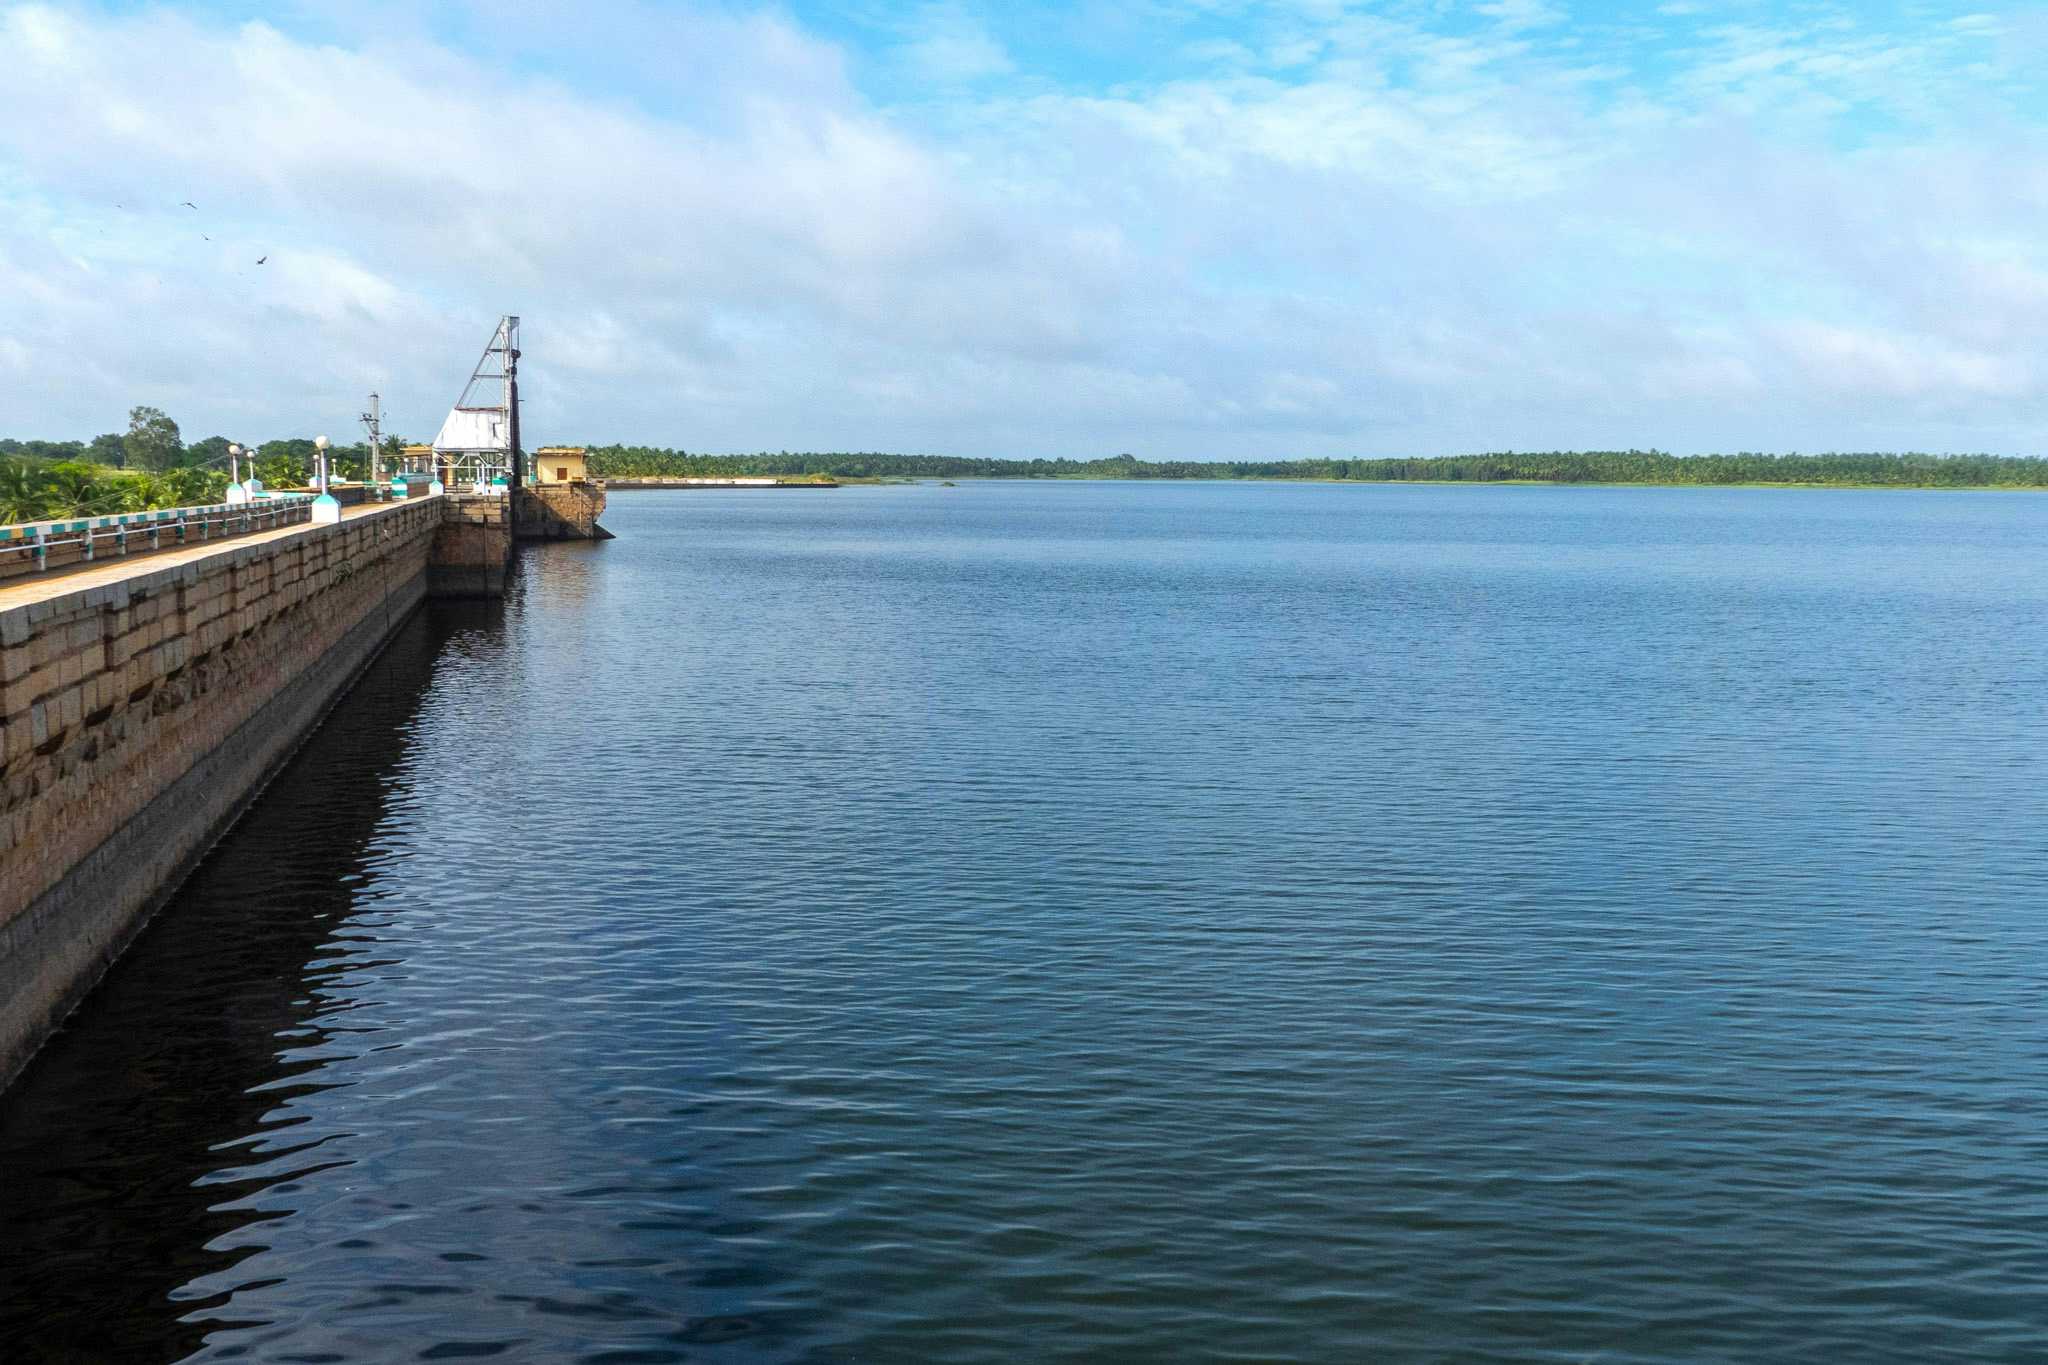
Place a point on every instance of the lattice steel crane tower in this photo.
(478, 445)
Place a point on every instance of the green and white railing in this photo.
(33, 546)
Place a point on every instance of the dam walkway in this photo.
(24, 589)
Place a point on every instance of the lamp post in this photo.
(236, 493)
(325, 508)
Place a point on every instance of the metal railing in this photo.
(71, 542)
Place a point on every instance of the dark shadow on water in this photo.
(119, 1146)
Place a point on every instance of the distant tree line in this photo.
(1558, 466)
(149, 466)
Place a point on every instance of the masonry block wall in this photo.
(559, 511)
(473, 550)
(137, 718)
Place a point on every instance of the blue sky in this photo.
(1192, 228)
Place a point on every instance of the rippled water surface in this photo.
(1112, 922)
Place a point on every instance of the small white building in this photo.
(475, 446)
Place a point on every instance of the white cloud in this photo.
(1354, 233)
(401, 201)
(1521, 14)
(949, 46)
(1863, 362)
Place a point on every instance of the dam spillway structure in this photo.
(478, 452)
(477, 447)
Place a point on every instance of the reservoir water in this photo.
(1112, 922)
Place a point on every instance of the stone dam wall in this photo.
(559, 511)
(139, 716)
(473, 549)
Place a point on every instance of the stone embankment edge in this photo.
(64, 941)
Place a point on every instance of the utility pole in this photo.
(371, 422)
(518, 469)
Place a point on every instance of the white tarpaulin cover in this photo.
(474, 429)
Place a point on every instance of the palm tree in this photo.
(188, 487)
(21, 492)
(76, 490)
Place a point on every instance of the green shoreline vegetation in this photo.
(151, 466)
(1654, 467)
(147, 467)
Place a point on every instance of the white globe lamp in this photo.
(325, 508)
(236, 493)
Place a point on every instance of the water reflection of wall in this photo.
(142, 711)
(137, 1142)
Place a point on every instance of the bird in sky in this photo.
(190, 205)
(261, 259)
